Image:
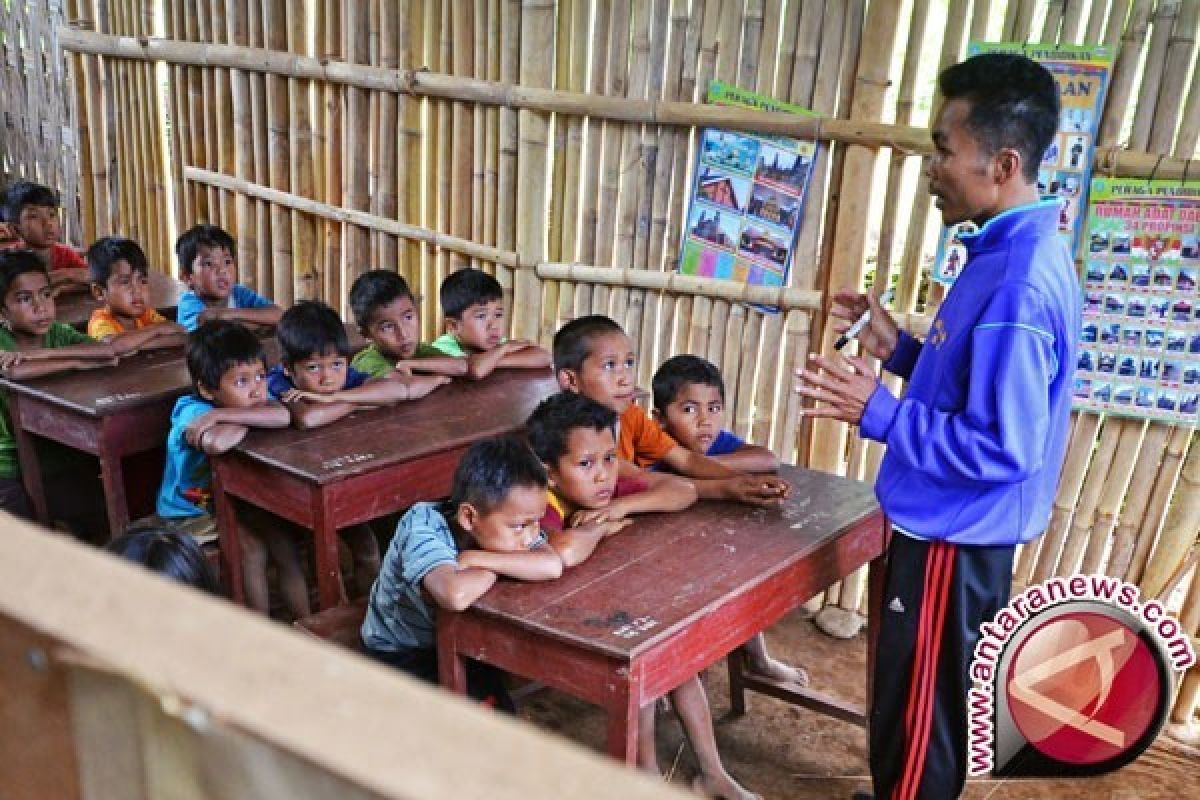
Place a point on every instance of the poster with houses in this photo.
(747, 198)
(1139, 352)
(1082, 74)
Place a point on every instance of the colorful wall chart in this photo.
(747, 198)
(1139, 352)
(1082, 75)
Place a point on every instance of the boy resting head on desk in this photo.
(453, 552)
(229, 377)
(387, 315)
(121, 284)
(208, 265)
(594, 357)
(30, 215)
(575, 438)
(689, 402)
(473, 305)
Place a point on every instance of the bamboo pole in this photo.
(384, 198)
(279, 158)
(616, 73)
(208, 122)
(409, 206)
(1164, 487)
(1180, 531)
(1175, 77)
(78, 68)
(589, 191)
(576, 73)
(1070, 484)
(552, 292)
(118, 95)
(678, 283)
(222, 120)
(1055, 9)
(355, 241)
(1116, 483)
(177, 94)
(1146, 110)
(261, 270)
(332, 125)
(442, 173)
(478, 119)
(1125, 69)
(510, 64)
(1189, 129)
(1137, 498)
(306, 281)
(154, 204)
(1093, 488)
(462, 62)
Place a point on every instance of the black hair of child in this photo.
(679, 371)
(169, 553)
(310, 328)
(492, 468)
(218, 346)
(551, 423)
(1014, 103)
(106, 252)
(573, 342)
(188, 245)
(465, 288)
(375, 289)
(24, 193)
(14, 263)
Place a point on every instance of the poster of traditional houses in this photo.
(747, 198)
(1082, 74)
(1139, 353)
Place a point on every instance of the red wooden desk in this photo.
(75, 307)
(669, 596)
(111, 413)
(366, 465)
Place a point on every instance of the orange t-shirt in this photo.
(641, 440)
(104, 323)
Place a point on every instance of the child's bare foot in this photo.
(723, 787)
(778, 671)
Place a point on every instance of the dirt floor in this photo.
(782, 752)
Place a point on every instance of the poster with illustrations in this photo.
(747, 198)
(1082, 74)
(1139, 352)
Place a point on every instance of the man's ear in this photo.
(467, 515)
(1006, 165)
(568, 379)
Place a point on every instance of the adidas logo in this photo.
(896, 605)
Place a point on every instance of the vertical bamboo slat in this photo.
(355, 240)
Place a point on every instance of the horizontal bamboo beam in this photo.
(904, 138)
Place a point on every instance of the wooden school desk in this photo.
(75, 307)
(110, 412)
(671, 595)
(366, 465)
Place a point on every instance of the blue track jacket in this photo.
(975, 446)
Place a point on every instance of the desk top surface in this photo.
(665, 571)
(75, 307)
(452, 416)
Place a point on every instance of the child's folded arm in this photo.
(695, 465)
(756, 490)
(306, 414)
(375, 392)
(455, 587)
(575, 544)
(749, 458)
(26, 369)
(480, 365)
(152, 337)
(437, 365)
(539, 564)
(528, 356)
(663, 493)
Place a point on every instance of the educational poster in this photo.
(747, 198)
(1139, 352)
(1082, 74)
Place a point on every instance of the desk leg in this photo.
(229, 540)
(325, 551)
(31, 467)
(623, 711)
(736, 662)
(452, 667)
(112, 477)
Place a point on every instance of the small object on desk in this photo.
(861, 322)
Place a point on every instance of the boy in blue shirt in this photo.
(975, 445)
(453, 552)
(208, 265)
(689, 403)
(473, 305)
(225, 361)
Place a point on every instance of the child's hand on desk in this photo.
(757, 490)
(200, 426)
(421, 385)
(613, 512)
(468, 559)
(297, 395)
(404, 368)
(9, 359)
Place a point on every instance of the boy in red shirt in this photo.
(30, 216)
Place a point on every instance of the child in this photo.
(594, 357)
(120, 281)
(386, 313)
(208, 265)
(455, 551)
(576, 439)
(30, 212)
(32, 344)
(689, 402)
(225, 361)
(170, 553)
(472, 305)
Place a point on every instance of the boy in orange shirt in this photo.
(594, 357)
(120, 280)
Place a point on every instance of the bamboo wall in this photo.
(522, 136)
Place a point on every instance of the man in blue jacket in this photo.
(975, 445)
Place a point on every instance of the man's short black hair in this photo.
(679, 371)
(573, 342)
(551, 423)
(24, 193)
(14, 263)
(465, 288)
(106, 252)
(188, 245)
(216, 347)
(1014, 103)
(491, 469)
(310, 328)
(373, 289)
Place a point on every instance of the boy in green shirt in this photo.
(386, 313)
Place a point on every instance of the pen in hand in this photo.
(862, 321)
